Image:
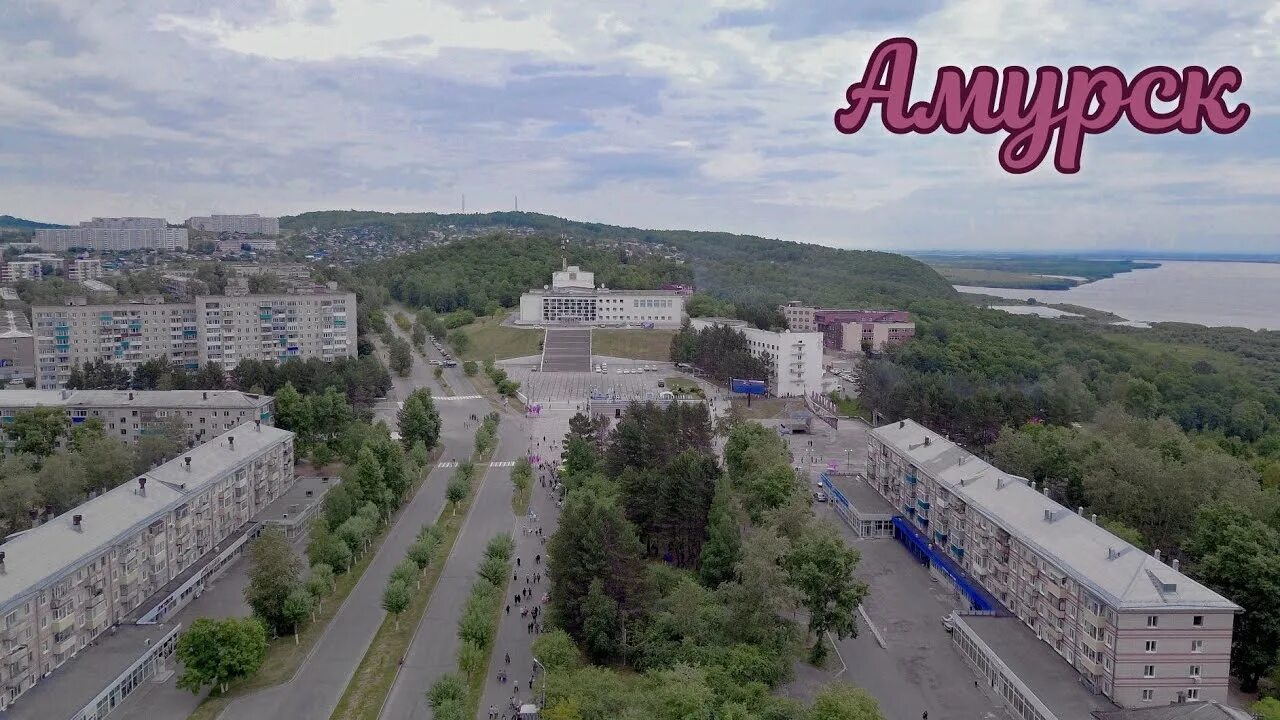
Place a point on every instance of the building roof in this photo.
(1208, 710)
(35, 557)
(1120, 574)
(219, 399)
(14, 324)
(602, 292)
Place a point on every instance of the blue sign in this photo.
(749, 387)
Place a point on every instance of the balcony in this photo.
(65, 645)
(1053, 589)
(66, 622)
(1092, 643)
(912, 479)
(922, 504)
(1087, 665)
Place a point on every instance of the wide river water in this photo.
(1206, 293)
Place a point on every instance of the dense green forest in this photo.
(677, 581)
(740, 268)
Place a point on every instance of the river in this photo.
(1234, 294)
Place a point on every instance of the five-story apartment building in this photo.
(1134, 627)
(65, 582)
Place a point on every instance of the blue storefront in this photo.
(926, 553)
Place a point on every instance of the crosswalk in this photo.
(500, 463)
(438, 398)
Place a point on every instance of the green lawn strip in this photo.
(369, 687)
(634, 344)
(491, 340)
(475, 684)
(284, 655)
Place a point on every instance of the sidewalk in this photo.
(513, 632)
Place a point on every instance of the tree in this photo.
(215, 652)
(297, 608)
(599, 623)
(460, 341)
(469, 367)
(211, 376)
(368, 482)
(493, 569)
(723, 548)
(472, 658)
(274, 573)
(293, 412)
(820, 566)
(556, 651)
(395, 599)
(842, 701)
(38, 430)
(321, 580)
(421, 553)
(400, 356)
(456, 492)
(418, 419)
(1266, 709)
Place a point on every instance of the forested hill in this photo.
(9, 222)
(743, 269)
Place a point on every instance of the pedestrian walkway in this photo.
(515, 636)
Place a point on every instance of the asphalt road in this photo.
(318, 686)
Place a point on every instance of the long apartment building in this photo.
(81, 269)
(130, 415)
(1134, 627)
(64, 583)
(851, 330)
(252, 224)
(213, 328)
(114, 235)
(18, 270)
(794, 358)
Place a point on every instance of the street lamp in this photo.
(542, 703)
(848, 460)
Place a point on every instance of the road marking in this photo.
(500, 463)
(457, 397)
(503, 463)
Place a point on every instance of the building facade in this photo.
(115, 235)
(17, 270)
(1135, 628)
(65, 582)
(252, 224)
(129, 415)
(794, 358)
(212, 328)
(851, 330)
(81, 269)
(17, 347)
(573, 299)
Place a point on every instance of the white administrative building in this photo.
(573, 299)
(794, 358)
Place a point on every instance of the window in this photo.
(1197, 620)
(1148, 671)
(1151, 646)
(1194, 671)
(1193, 693)
(1148, 694)
(1197, 646)
(1153, 621)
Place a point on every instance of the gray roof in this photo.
(600, 292)
(14, 324)
(1209, 710)
(39, 555)
(1121, 574)
(219, 399)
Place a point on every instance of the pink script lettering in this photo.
(1092, 101)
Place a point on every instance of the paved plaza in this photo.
(577, 387)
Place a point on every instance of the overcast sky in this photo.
(711, 114)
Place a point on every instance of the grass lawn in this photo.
(490, 339)
(683, 386)
(635, 344)
(284, 656)
(369, 686)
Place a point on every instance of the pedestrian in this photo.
(517, 562)
(508, 608)
(508, 658)
(537, 559)
(925, 716)
(515, 577)
(515, 687)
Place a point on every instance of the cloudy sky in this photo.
(712, 114)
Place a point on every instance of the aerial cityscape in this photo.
(609, 410)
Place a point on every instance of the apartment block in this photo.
(794, 358)
(1134, 627)
(851, 330)
(17, 346)
(81, 269)
(115, 235)
(16, 270)
(251, 224)
(212, 328)
(66, 582)
(277, 327)
(130, 415)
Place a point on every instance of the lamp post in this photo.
(848, 460)
(542, 702)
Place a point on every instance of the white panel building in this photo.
(115, 234)
(794, 358)
(252, 224)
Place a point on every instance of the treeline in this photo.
(361, 380)
(56, 465)
(719, 351)
(739, 268)
(1119, 423)
(484, 274)
(688, 575)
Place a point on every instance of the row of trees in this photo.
(506, 386)
(362, 380)
(57, 465)
(719, 351)
(407, 576)
(692, 580)
(450, 696)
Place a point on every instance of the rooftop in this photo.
(1119, 573)
(306, 492)
(1209, 710)
(602, 292)
(1041, 669)
(220, 399)
(14, 324)
(35, 557)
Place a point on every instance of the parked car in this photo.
(948, 622)
(662, 384)
(820, 497)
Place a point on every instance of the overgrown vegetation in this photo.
(719, 351)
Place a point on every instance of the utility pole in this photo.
(464, 202)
